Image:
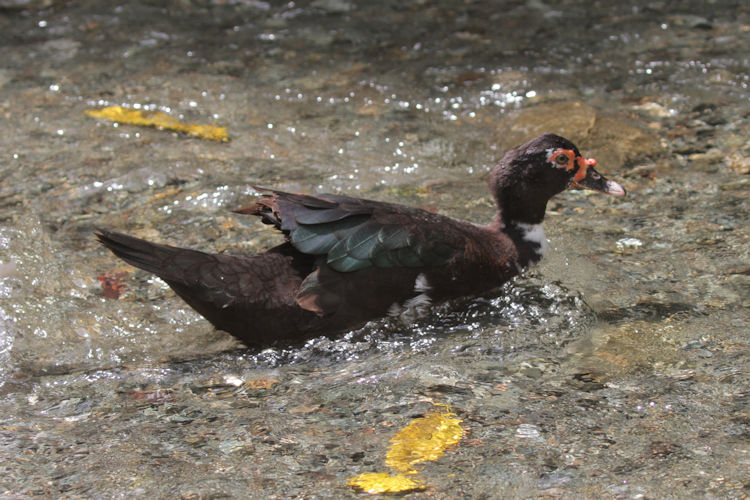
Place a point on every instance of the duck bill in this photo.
(588, 178)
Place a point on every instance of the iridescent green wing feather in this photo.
(356, 234)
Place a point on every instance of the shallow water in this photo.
(617, 368)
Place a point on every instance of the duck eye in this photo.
(562, 159)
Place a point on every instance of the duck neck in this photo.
(530, 241)
(522, 222)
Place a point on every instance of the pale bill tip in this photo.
(615, 189)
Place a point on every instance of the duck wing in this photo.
(360, 244)
(354, 234)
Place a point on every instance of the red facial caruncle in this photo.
(566, 159)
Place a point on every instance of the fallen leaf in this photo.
(381, 482)
(425, 438)
(112, 285)
(159, 120)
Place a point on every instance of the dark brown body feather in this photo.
(284, 295)
(349, 260)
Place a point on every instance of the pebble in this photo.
(333, 6)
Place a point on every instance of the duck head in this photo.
(532, 173)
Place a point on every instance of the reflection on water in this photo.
(617, 368)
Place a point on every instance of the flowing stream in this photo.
(617, 368)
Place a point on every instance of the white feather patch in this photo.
(395, 309)
(416, 306)
(418, 303)
(534, 233)
(421, 284)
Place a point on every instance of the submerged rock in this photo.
(614, 139)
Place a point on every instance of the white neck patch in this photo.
(534, 233)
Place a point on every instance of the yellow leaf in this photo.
(380, 482)
(159, 120)
(424, 439)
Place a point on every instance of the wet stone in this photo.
(614, 139)
(691, 21)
